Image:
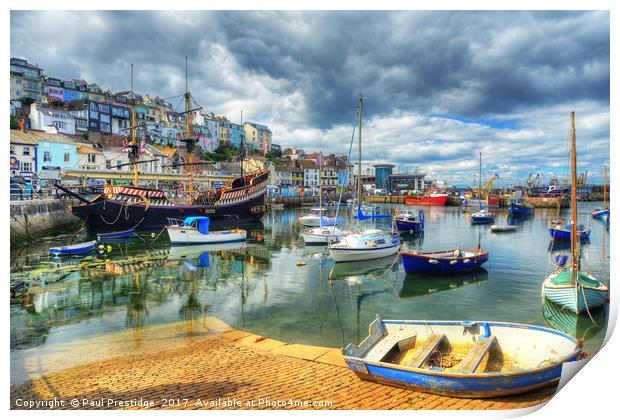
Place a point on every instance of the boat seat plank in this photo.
(472, 361)
(387, 343)
(425, 351)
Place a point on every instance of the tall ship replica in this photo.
(139, 208)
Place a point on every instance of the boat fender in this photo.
(452, 262)
(466, 261)
(433, 262)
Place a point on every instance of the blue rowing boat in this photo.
(518, 207)
(471, 359)
(80, 248)
(563, 233)
(116, 235)
(601, 214)
(452, 261)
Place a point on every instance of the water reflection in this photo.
(581, 326)
(418, 285)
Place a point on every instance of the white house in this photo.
(51, 120)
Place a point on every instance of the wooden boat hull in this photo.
(575, 299)
(601, 214)
(565, 234)
(116, 235)
(520, 210)
(537, 374)
(81, 248)
(437, 200)
(430, 263)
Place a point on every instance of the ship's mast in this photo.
(359, 166)
(187, 132)
(573, 197)
(480, 177)
(133, 147)
(604, 186)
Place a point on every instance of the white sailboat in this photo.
(570, 287)
(326, 231)
(371, 243)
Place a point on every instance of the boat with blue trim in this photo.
(482, 217)
(517, 206)
(602, 213)
(368, 245)
(470, 359)
(195, 230)
(570, 287)
(562, 232)
(116, 235)
(409, 221)
(452, 261)
(80, 248)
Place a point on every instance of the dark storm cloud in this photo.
(301, 72)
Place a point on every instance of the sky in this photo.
(438, 87)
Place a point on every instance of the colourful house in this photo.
(56, 151)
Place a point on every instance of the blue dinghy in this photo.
(471, 359)
(601, 214)
(116, 235)
(80, 248)
(482, 217)
(518, 207)
(452, 261)
(562, 233)
(409, 221)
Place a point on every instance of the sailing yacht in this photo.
(371, 243)
(603, 213)
(570, 287)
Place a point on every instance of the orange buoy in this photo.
(259, 237)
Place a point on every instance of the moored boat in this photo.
(80, 248)
(451, 261)
(482, 217)
(368, 245)
(323, 235)
(471, 359)
(563, 233)
(437, 199)
(503, 228)
(517, 207)
(409, 221)
(195, 230)
(602, 213)
(116, 235)
(313, 219)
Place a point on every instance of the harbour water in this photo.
(263, 287)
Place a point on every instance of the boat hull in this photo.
(116, 235)
(317, 239)
(466, 385)
(419, 263)
(601, 214)
(408, 226)
(520, 210)
(573, 299)
(74, 249)
(362, 254)
(565, 234)
(437, 200)
(190, 236)
(482, 220)
(105, 214)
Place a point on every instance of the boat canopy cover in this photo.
(563, 277)
(361, 216)
(203, 223)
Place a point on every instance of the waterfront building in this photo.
(90, 158)
(115, 157)
(23, 145)
(382, 175)
(53, 90)
(311, 173)
(283, 175)
(25, 80)
(69, 91)
(120, 115)
(51, 119)
(92, 116)
(295, 154)
(297, 174)
(414, 181)
(55, 151)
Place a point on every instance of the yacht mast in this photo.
(573, 196)
(359, 166)
(187, 131)
(133, 147)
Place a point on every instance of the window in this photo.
(105, 127)
(94, 115)
(118, 164)
(18, 81)
(26, 167)
(93, 106)
(47, 157)
(12, 149)
(105, 118)
(108, 163)
(59, 124)
(67, 157)
(26, 151)
(92, 158)
(18, 92)
(104, 108)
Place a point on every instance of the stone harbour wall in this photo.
(34, 218)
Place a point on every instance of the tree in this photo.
(14, 123)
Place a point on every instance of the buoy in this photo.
(152, 234)
(109, 248)
(433, 261)
(101, 246)
(452, 262)
(259, 237)
(301, 263)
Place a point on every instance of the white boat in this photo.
(323, 235)
(314, 218)
(503, 228)
(570, 287)
(195, 230)
(368, 245)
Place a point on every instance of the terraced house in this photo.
(25, 80)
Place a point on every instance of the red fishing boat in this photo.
(438, 199)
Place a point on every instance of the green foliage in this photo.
(14, 123)
(26, 100)
(85, 136)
